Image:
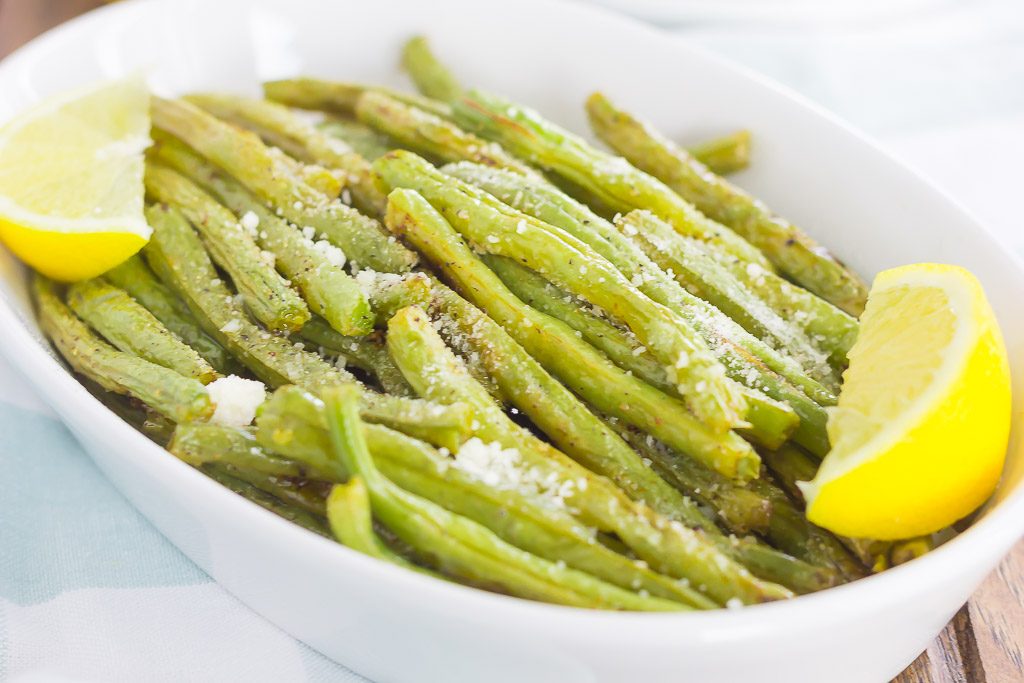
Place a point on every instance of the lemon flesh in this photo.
(71, 180)
(920, 431)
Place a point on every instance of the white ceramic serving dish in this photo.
(392, 625)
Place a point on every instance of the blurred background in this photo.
(939, 83)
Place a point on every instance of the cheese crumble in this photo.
(250, 221)
(235, 400)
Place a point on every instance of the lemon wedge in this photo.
(920, 430)
(71, 180)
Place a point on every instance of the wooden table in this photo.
(983, 643)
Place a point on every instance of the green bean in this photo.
(910, 549)
(127, 325)
(367, 353)
(235, 451)
(165, 391)
(244, 156)
(730, 342)
(520, 380)
(157, 427)
(208, 443)
(266, 293)
(831, 329)
(291, 425)
(364, 140)
(176, 253)
(408, 329)
(746, 359)
(389, 292)
(132, 412)
(268, 501)
(178, 256)
(574, 436)
(697, 270)
(726, 154)
(281, 127)
(430, 135)
(351, 520)
(791, 250)
(315, 268)
(556, 347)
(773, 564)
(284, 131)
(495, 228)
(754, 507)
(739, 509)
(152, 424)
(669, 547)
(790, 531)
(871, 553)
(771, 421)
(432, 78)
(790, 465)
(324, 181)
(270, 175)
(340, 98)
(292, 422)
(618, 344)
(536, 528)
(458, 545)
(135, 277)
(372, 356)
(478, 332)
(303, 494)
(611, 179)
(723, 155)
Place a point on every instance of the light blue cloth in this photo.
(90, 591)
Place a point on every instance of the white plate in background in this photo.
(789, 12)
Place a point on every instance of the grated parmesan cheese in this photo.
(250, 221)
(334, 255)
(503, 468)
(371, 282)
(235, 400)
(231, 326)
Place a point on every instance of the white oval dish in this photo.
(392, 625)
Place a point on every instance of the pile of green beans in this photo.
(493, 353)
